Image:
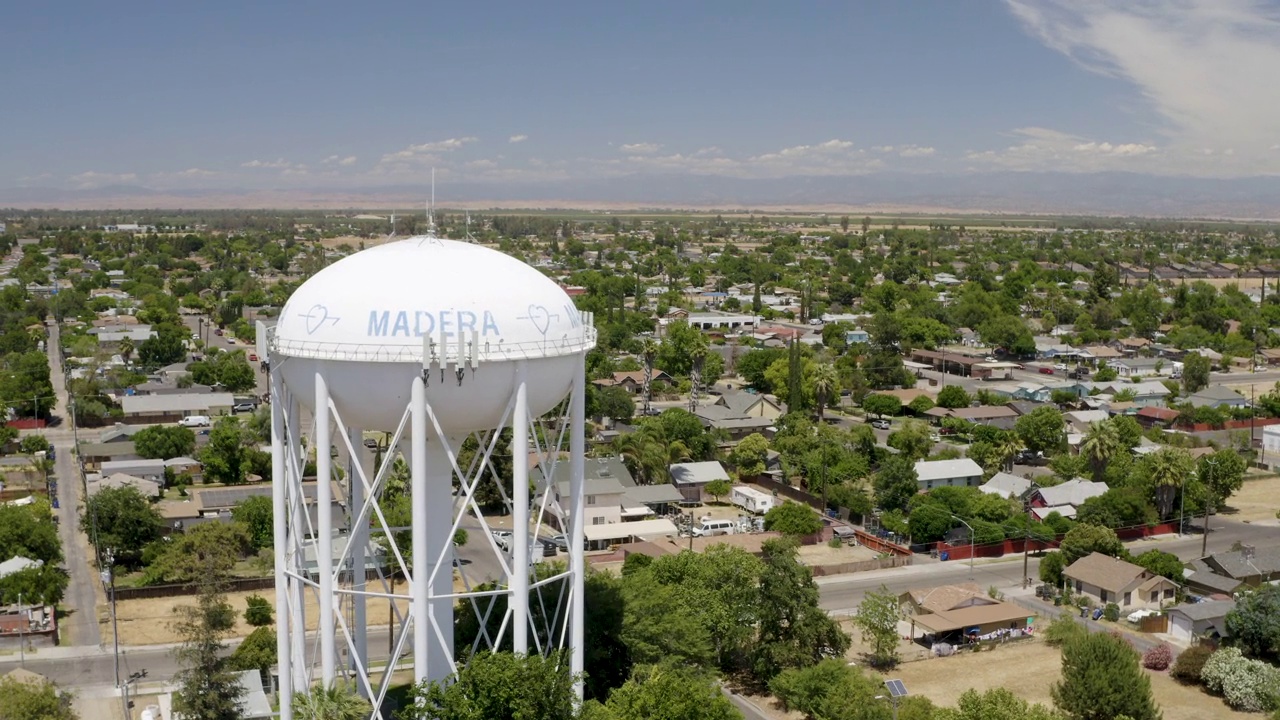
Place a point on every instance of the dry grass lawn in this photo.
(148, 621)
(1256, 501)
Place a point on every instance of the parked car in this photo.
(195, 421)
(880, 424)
(1061, 366)
(1046, 370)
(371, 443)
(244, 407)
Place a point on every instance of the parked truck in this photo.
(752, 500)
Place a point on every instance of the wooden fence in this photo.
(862, 565)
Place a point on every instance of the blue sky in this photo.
(328, 94)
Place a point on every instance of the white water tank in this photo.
(362, 321)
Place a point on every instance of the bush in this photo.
(1190, 663)
(258, 612)
(1247, 685)
(1111, 612)
(1062, 630)
(1158, 657)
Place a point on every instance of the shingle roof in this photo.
(697, 473)
(1103, 571)
(1211, 610)
(1072, 492)
(1265, 561)
(1006, 485)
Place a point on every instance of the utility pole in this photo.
(1208, 507)
(22, 640)
(109, 578)
(1026, 542)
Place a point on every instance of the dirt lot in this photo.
(148, 621)
(1029, 669)
(1256, 501)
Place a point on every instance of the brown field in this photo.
(1256, 501)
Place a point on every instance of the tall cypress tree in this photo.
(1101, 680)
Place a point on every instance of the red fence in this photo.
(27, 424)
(1014, 545)
(1230, 425)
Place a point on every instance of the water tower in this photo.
(431, 341)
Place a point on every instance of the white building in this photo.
(940, 473)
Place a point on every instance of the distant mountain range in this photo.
(1047, 193)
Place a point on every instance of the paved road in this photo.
(80, 626)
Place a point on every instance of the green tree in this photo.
(1195, 373)
(257, 611)
(46, 584)
(830, 690)
(896, 483)
(877, 617)
(167, 347)
(33, 444)
(718, 489)
(749, 455)
(616, 403)
(209, 547)
(995, 704)
(953, 396)
(338, 701)
(1042, 430)
(23, 700)
(1254, 623)
(123, 521)
(881, 405)
(1168, 468)
(826, 385)
(255, 514)
(913, 439)
(920, 405)
(929, 523)
(793, 630)
(1102, 680)
(1159, 562)
(792, 518)
(1051, 567)
(1085, 539)
(225, 457)
(207, 685)
(667, 692)
(1223, 474)
(164, 441)
(498, 686)
(28, 531)
(660, 623)
(256, 652)
(1101, 443)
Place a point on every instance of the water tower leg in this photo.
(577, 538)
(324, 528)
(281, 481)
(439, 491)
(297, 561)
(519, 581)
(417, 484)
(360, 461)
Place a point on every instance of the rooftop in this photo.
(945, 469)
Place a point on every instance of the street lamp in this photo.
(962, 522)
(22, 640)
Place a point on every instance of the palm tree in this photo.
(825, 382)
(1170, 467)
(1101, 443)
(1007, 449)
(335, 702)
(126, 349)
(644, 455)
(649, 351)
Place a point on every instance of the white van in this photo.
(195, 421)
(707, 528)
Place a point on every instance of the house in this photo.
(145, 469)
(953, 609)
(151, 409)
(136, 334)
(1201, 579)
(1082, 420)
(633, 380)
(939, 473)
(214, 504)
(745, 404)
(691, 478)
(1106, 579)
(646, 500)
(95, 483)
(1191, 621)
(1140, 366)
(17, 564)
(94, 454)
(740, 414)
(1001, 416)
(118, 433)
(1149, 417)
(1218, 396)
(602, 500)
(1006, 485)
(1064, 499)
(1250, 565)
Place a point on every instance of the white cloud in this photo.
(517, 139)
(416, 157)
(339, 160)
(1206, 67)
(915, 151)
(196, 172)
(1040, 148)
(91, 179)
(640, 148)
(270, 164)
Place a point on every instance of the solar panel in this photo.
(896, 688)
